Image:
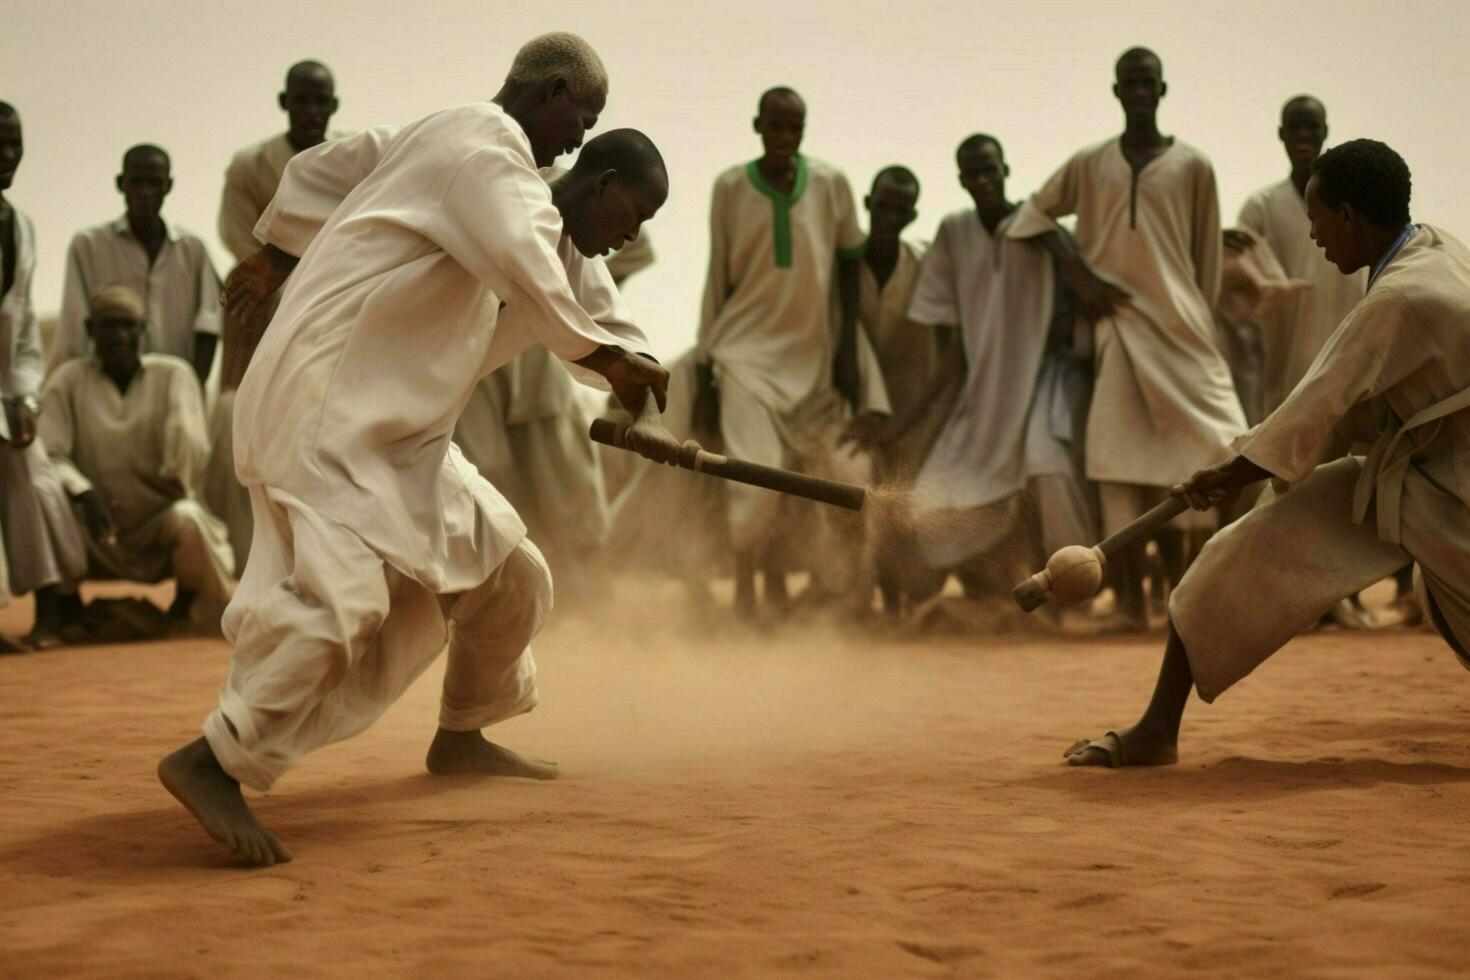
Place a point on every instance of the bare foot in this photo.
(1129, 747)
(7, 645)
(458, 753)
(195, 778)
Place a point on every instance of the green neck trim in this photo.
(781, 205)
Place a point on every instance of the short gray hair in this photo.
(559, 55)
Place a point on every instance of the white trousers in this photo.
(327, 636)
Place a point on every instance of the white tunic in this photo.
(766, 319)
(392, 316)
(1293, 333)
(1001, 293)
(1164, 405)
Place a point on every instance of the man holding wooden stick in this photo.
(1397, 373)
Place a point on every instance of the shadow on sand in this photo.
(142, 846)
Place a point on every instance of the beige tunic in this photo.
(1293, 333)
(180, 289)
(906, 350)
(1163, 405)
(1398, 371)
(143, 450)
(40, 543)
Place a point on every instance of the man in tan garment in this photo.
(1148, 269)
(1397, 371)
(126, 434)
(309, 100)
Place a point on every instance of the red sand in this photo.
(795, 804)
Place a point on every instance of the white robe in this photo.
(1015, 416)
(40, 542)
(1397, 371)
(1163, 404)
(343, 421)
(1294, 332)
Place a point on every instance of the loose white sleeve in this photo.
(497, 221)
(315, 182)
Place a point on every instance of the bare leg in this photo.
(1128, 583)
(194, 776)
(745, 585)
(470, 753)
(1154, 739)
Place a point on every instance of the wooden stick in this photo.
(694, 457)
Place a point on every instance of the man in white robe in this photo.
(1148, 271)
(1397, 370)
(1295, 331)
(126, 434)
(1005, 463)
(309, 100)
(40, 543)
(374, 539)
(773, 386)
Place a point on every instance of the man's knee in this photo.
(512, 605)
(185, 521)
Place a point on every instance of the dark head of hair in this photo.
(976, 140)
(7, 111)
(627, 151)
(1370, 176)
(1138, 54)
(779, 91)
(897, 174)
(144, 151)
(304, 69)
(1296, 101)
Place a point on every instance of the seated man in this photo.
(1396, 370)
(126, 434)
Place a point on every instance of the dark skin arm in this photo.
(845, 367)
(97, 514)
(1220, 484)
(641, 384)
(706, 405)
(1238, 240)
(204, 345)
(253, 281)
(1099, 299)
(24, 432)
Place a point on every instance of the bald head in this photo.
(1136, 56)
(618, 182)
(7, 111)
(780, 96)
(559, 55)
(629, 154)
(308, 71)
(1303, 103)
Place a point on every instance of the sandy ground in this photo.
(796, 803)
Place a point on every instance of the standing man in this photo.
(40, 543)
(1005, 461)
(774, 385)
(375, 539)
(309, 100)
(1396, 371)
(1277, 215)
(160, 261)
(1147, 270)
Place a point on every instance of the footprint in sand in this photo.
(939, 954)
(1357, 891)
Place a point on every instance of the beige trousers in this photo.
(327, 635)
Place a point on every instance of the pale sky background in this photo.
(885, 83)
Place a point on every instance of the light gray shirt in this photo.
(180, 289)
